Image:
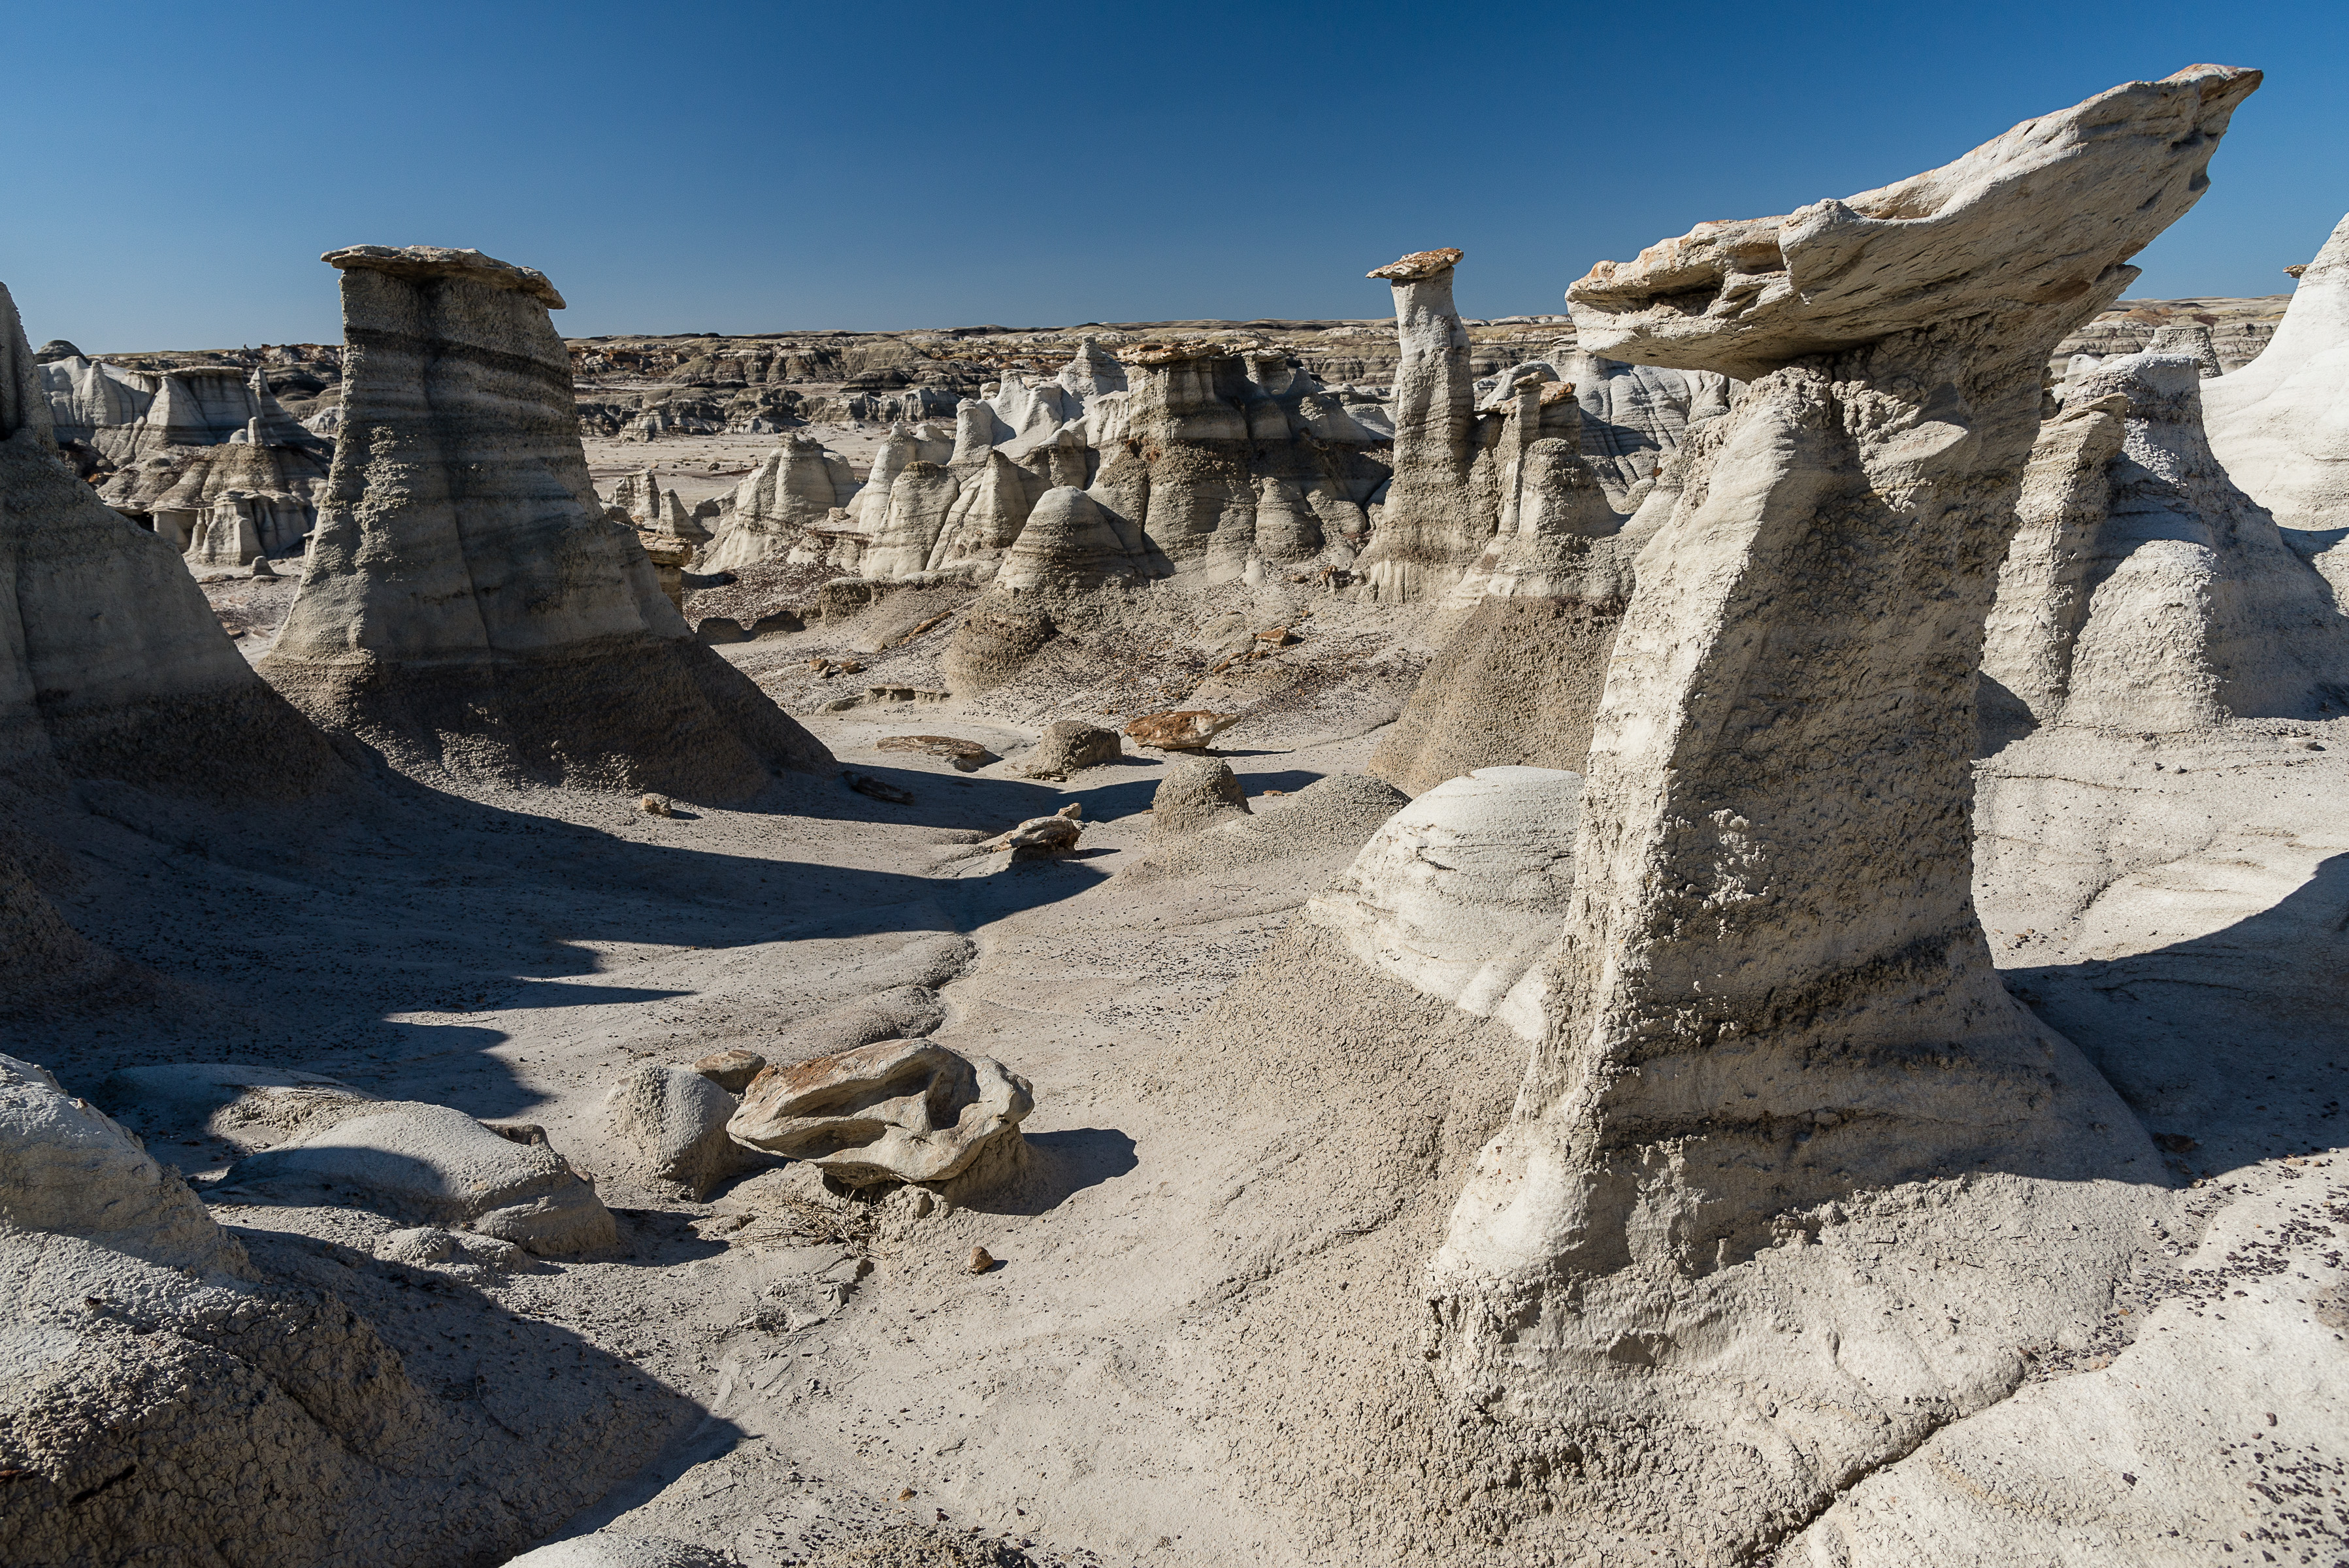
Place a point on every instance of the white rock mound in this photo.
(1464, 889)
(2280, 423)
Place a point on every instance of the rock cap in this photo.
(1418, 266)
(440, 261)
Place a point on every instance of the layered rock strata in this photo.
(1517, 680)
(1772, 1025)
(112, 664)
(467, 607)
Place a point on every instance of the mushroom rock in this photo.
(1462, 889)
(112, 664)
(895, 1110)
(639, 495)
(1776, 1064)
(794, 488)
(988, 513)
(2144, 591)
(1517, 681)
(2280, 425)
(2193, 339)
(467, 605)
(1440, 510)
(920, 498)
(978, 430)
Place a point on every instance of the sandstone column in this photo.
(1435, 520)
(1772, 1013)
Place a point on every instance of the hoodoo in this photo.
(1773, 1009)
(468, 605)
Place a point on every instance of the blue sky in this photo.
(178, 168)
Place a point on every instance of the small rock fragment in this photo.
(981, 1260)
(656, 806)
(1182, 729)
(730, 1070)
(878, 790)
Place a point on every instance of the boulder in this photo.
(1197, 792)
(675, 1117)
(1462, 889)
(1180, 729)
(1070, 745)
(468, 608)
(1772, 1006)
(895, 1110)
(429, 1164)
(732, 1069)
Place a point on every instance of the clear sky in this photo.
(176, 168)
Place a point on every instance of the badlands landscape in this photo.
(1705, 929)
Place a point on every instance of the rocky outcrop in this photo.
(162, 1391)
(2277, 425)
(2143, 590)
(1070, 545)
(468, 607)
(793, 489)
(429, 1164)
(113, 666)
(920, 498)
(1772, 1009)
(213, 451)
(895, 1110)
(1440, 509)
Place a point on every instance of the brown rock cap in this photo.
(439, 261)
(1419, 266)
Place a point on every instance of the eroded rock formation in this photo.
(1776, 1056)
(2280, 423)
(2143, 590)
(895, 1110)
(112, 666)
(467, 607)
